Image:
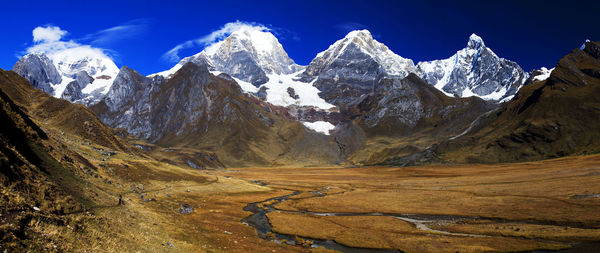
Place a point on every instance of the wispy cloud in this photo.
(126, 30)
(284, 33)
(215, 36)
(350, 26)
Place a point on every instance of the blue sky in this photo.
(139, 33)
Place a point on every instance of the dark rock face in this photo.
(349, 77)
(262, 93)
(406, 116)
(409, 104)
(474, 71)
(292, 93)
(39, 70)
(243, 66)
(131, 94)
(592, 48)
(398, 99)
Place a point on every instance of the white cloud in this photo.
(48, 41)
(48, 34)
(218, 35)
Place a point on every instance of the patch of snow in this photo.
(99, 84)
(169, 72)
(215, 73)
(308, 95)
(246, 86)
(60, 87)
(467, 93)
(319, 126)
(545, 74)
(496, 95)
(506, 99)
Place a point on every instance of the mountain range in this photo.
(357, 103)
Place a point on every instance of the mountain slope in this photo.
(546, 119)
(196, 109)
(474, 71)
(405, 116)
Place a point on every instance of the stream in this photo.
(260, 222)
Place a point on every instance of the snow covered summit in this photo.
(248, 54)
(474, 71)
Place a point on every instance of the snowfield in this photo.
(319, 126)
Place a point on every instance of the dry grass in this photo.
(391, 233)
(548, 232)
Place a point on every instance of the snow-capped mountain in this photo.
(474, 71)
(247, 54)
(256, 60)
(77, 74)
(360, 44)
(351, 67)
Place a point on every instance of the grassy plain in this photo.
(506, 207)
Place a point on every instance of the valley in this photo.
(238, 148)
(545, 205)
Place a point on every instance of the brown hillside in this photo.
(553, 118)
(72, 118)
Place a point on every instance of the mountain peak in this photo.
(359, 33)
(475, 42)
(360, 43)
(248, 53)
